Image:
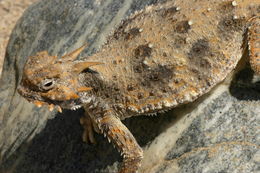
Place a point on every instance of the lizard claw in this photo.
(88, 133)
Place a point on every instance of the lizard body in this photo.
(158, 58)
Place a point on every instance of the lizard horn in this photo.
(73, 55)
(80, 66)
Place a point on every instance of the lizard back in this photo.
(172, 53)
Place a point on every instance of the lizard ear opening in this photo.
(80, 66)
(74, 54)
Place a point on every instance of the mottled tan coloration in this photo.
(188, 59)
(157, 59)
(254, 43)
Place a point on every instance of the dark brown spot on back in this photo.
(138, 68)
(232, 24)
(130, 87)
(227, 26)
(200, 54)
(143, 51)
(140, 53)
(199, 49)
(151, 94)
(132, 33)
(160, 73)
(182, 27)
(140, 95)
(169, 12)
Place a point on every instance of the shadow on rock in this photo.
(59, 147)
(243, 86)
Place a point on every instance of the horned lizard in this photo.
(158, 58)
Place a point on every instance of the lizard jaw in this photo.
(50, 106)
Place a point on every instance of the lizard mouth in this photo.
(36, 99)
(51, 106)
(58, 105)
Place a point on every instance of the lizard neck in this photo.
(104, 96)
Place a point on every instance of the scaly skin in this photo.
(157, 59)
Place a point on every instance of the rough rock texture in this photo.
(217, 133)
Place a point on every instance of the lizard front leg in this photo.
(254, 44)
(121, 137)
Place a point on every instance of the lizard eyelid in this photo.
(47, 84)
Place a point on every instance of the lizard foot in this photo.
(88, 133)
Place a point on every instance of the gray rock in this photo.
(217, 133)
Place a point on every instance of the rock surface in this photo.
(10, 12)
(217, 133)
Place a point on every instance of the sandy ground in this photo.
(10, 12)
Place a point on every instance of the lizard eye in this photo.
(47, 84)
